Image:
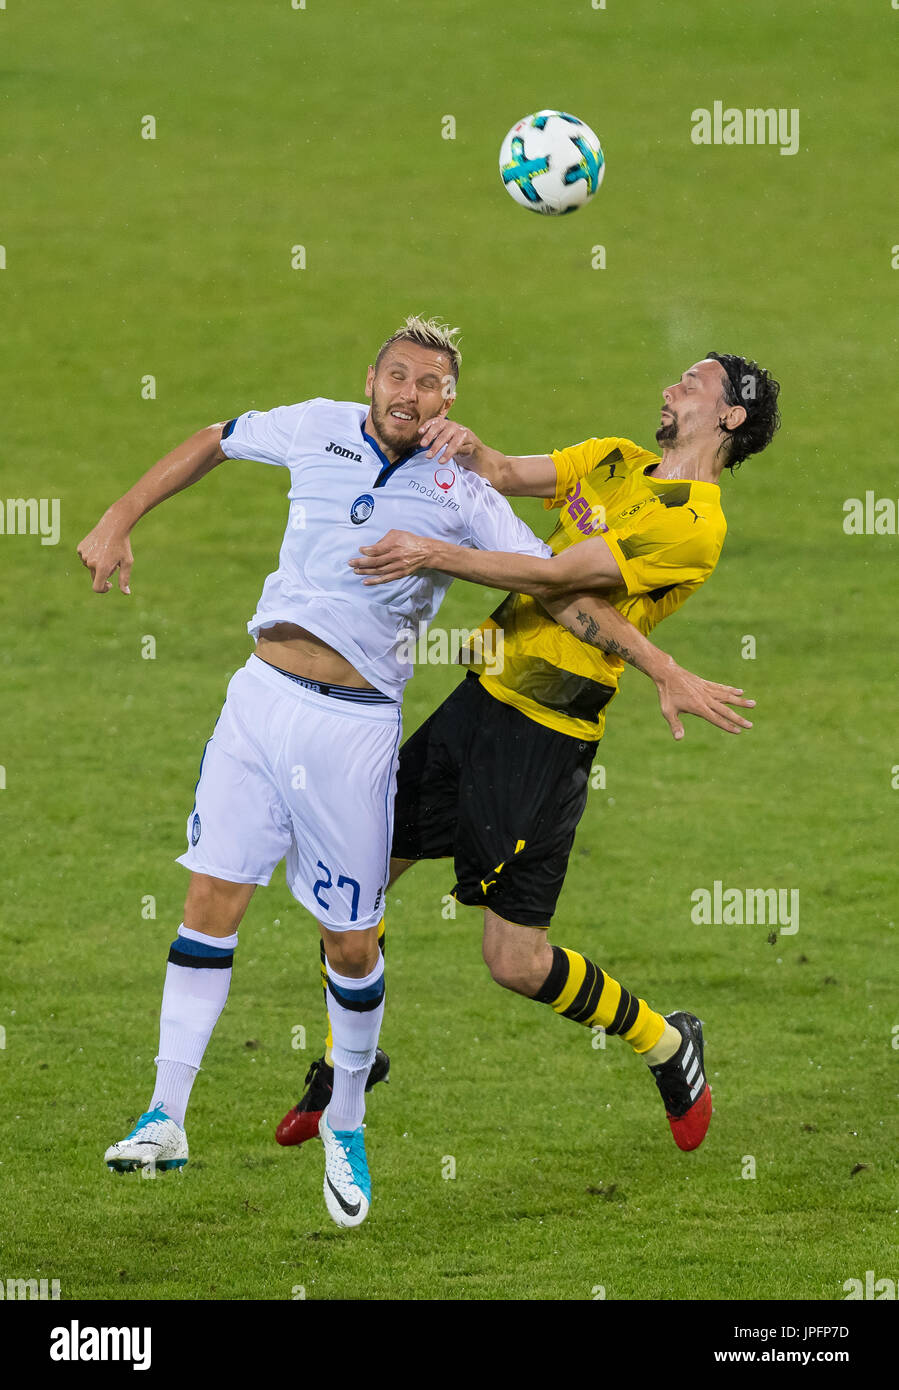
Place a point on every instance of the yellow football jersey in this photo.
(666, 537)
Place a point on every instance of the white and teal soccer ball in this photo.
(551, 162)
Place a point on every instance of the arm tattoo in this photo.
(587, 629)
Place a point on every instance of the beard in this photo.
(667, 432)
(396, 434)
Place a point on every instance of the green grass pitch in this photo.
(127, 258)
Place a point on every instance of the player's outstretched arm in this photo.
(107, 547)
(588, 565)
(526, 475)
(595, 621)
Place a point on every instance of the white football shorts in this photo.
(293, 773)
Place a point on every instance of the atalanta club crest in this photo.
(362, 509)
(444, 478)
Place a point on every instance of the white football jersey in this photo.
(345, 493)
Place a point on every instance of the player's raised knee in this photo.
(352, 953)
(507, 969)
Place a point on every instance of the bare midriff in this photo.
(303, 654)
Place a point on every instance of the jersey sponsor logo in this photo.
(587, 519)
(195, 828)
(444, 478)
(433, 494)
(342, 452)
(362, 509)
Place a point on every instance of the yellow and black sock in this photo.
(329, 1040)
(579, 990)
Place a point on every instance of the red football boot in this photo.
(682, 1084)
(301, 1123)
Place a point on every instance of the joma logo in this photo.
(342, 452)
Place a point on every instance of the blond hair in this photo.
(427, 333)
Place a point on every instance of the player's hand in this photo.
(394, 556)
(455, 440)
(103, 551)
(680, 692)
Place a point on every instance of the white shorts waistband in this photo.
(381, 710)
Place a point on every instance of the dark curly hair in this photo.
(749, 385)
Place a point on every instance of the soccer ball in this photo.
(551, 162)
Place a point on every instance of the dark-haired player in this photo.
(497, 776)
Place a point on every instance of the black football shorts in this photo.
(501, 795)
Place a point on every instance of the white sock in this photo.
(173, 1084)
(356, 1009)
(192, 1000)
